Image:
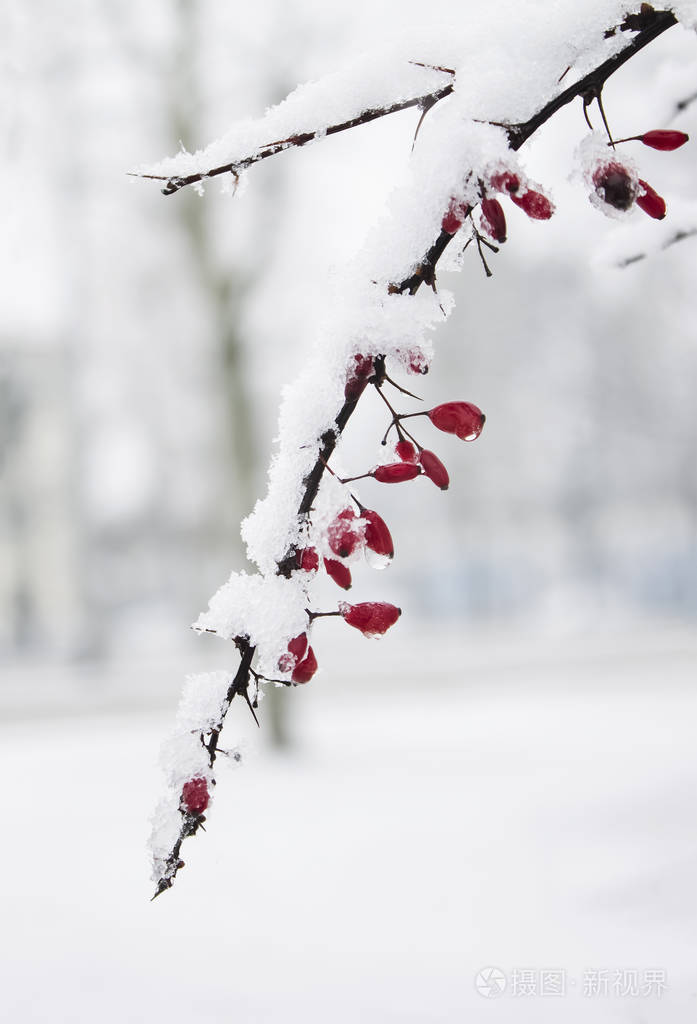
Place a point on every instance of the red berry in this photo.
(377, 536)
(304, 672)
(296, 650)
(455, 217)
(650, 202)
(537, 206)
(614, 185)
(340, 573)
(361, 369)
(343, 536)
(396, 473)
(461, 418)
(373, 618)
(417, 361)
(505, 181)
(434, 469)
(195, 796)
(308, 560)
(298, 645)
(406, 451)
(664, 139)
(493, 219)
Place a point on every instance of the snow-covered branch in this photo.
(381, 322)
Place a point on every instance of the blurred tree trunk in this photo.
(223, 290)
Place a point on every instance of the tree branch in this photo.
(648, 25)
(191, 823)
(174, 184)
(679, 236)
(518, 134)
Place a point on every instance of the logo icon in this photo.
(490, 982)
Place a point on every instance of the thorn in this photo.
(427, 105)
(432, 67)
(403, 390)
(249, 705)
(587, 100)
(602, 114)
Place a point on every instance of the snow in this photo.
(268, 610)
(311, 108)
(544, 42)
(518, 814)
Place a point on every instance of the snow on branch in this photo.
(312, 518)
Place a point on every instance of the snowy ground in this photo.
(538, 815)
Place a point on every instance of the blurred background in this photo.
(504, 779)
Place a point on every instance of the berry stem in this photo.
(479, 239)
(350, 479)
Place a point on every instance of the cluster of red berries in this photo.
(362, 529)
(615, 185)
(463, 419)
(493, 220)
(347, 534)
(372, 618)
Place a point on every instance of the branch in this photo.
(174, 184)
(192, 822)
(679, 236)
(518, 134)
(654, 24)
(648, 25)
(684, 103)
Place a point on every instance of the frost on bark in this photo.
(463, 172)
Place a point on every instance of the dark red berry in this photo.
(455, 217)
(537, 206)
(505, 181)
(298, 645)
(493, 219)
(417, 361)
(377, 536)
(195, 796)
(396, 472)
(343, 536)
(340, 573)
(373, 618)
(296, 651)
(308, 560)
(461, 418)
(361, 369)
(664, 139)
(650, 202)
(304, 672)
(614, 186)
(434, 469)
(406, 451)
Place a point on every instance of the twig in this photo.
(175, 182)
(679, 236)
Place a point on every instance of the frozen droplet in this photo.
(376, 561)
